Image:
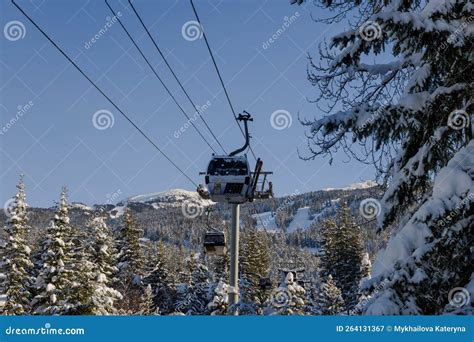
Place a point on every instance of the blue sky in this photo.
(54, 142)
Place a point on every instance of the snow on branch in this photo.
(453, 191)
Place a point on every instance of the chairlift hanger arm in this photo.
(243, 117)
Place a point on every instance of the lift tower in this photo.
(230, 180)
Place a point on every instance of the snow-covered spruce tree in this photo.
(427, 266)
(104, 257)
(82, 287)
(288, 298)
(343, 252)
(147, 306)
(95, 272)
(221, 266)
(366, 266)
(192, 295)
(412, 115)
(16, 263)
(55, 276)
(254, 266)
(161, 282)
(220, 302)
(130, 263)
(329, 299)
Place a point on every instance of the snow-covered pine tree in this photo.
(343, 253)
(96, 269)
(220, 302)
(329, 299)
(83, 286)
(436, 241)
(55, 276)
(288, 298)
(413, 115)
(130, 263)
(366, 266)
(16, 263)
(147, 306)
(221, 266)
(193, 295)
(254, 266)
(161, 282)
(326, 243)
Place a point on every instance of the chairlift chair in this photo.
(229, 179)
(215, 243)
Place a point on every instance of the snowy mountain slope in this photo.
(173, 197)
(266, 220)
(302, 220)
(363, 185)
(81, 206)
(162, 212)
(322, 204)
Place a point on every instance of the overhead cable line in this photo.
(100, 91)
(219, 74)
(173, 73)
(158, 77)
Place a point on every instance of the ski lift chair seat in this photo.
(215, 243)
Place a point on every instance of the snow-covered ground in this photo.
(301, 220)
(266, 220)
(117, 211)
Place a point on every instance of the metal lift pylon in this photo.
(254, 192)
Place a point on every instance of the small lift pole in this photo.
(234, 255)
